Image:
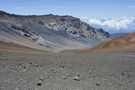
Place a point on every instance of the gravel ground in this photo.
(99, 71)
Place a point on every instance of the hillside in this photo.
(125, 43)
(49, 32)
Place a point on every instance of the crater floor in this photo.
(99, 71)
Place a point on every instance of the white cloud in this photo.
(115, 24)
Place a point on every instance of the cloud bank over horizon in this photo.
(113, 25)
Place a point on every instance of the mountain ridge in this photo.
(49, 31)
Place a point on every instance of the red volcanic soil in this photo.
(10, 47)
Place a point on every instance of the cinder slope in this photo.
(121, 44)
(125, 43)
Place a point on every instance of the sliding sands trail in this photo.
(98, 71)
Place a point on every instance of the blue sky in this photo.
(78, 8)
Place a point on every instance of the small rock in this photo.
(77, 77)
(62, 66)
(97, 84)
(41, 78)
(39, 84)
(36, 65)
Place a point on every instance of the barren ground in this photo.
(98, 71)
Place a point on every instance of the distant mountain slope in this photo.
(125, 43)
(49, 32)
(117, 35)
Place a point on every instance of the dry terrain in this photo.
(85, 71)
(27, 61)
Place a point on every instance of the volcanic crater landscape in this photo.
(51, 52)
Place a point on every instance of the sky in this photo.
(77, 8)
